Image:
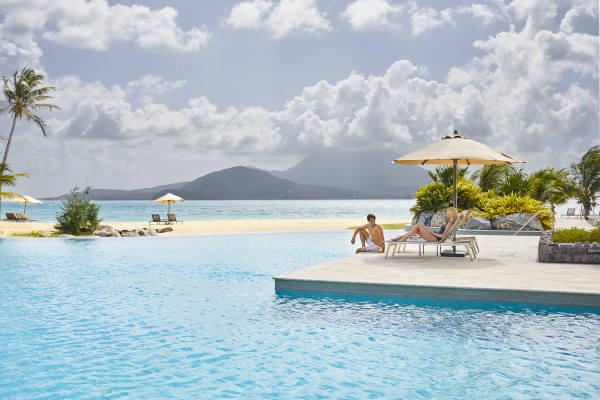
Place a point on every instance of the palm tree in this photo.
(445, 175)
(586, 175)
(9, 179)
(514, 181)
(25, 94)
(491, 176)
(551, 186)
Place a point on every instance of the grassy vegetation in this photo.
(26, 234)
(576, 235)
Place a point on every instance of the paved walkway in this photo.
(506, 269)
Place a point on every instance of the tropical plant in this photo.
(551, 186)
(514, 181)
(25, 94)
(492, 207)
(445, 174)
(436, 196)
(491, 176)
(9, 179)
(78, 215)
(586, 176)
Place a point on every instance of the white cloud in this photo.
(249, 14)
(372, 14)
(282, 19)
(92, 25)
(514, 96)
(587, 11)
(424, 19)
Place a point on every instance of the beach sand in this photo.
(213, 227)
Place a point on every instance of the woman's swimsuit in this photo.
(440, 232)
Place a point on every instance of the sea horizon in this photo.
(387, 210)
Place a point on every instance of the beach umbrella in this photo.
(456, 149)
(168, 199)
(25, 200)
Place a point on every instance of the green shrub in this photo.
(574, 235)
(436, 196)
(78, 216)
(492, 207)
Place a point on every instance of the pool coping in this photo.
(439, 292)
(506, 270)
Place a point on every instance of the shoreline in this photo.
(210, 227)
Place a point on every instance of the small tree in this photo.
(78, 216)
(586, 175)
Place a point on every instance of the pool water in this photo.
(197, 317)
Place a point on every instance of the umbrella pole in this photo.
(455, 192)
(453, 252)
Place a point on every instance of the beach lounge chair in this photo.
(11, 217)
(172, 219)
(570, 213)
(25, 218)
(156, 219)
(448, 240)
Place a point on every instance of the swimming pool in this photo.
(197, 317)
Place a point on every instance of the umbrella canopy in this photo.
(25, 200)
(456, 149)
(169, 199)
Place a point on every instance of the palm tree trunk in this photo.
(12, 130)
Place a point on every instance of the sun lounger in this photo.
(156, 219)
(571, 213)
(449, 240)
(11, 217)
(172, 219)
(25, 218)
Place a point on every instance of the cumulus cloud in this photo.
(372, 14)
(514, 96)
(279, 19)
(384, 14)
(91, 25)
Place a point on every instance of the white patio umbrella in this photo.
(25, 200)
(169, 199)
(456, 149)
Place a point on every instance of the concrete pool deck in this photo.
(506, 270)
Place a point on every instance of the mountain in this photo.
(243, 183)
(338, 175)
(136, 194)
(363, 171)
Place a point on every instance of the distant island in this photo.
(343, 175)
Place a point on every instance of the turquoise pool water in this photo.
(197, 317)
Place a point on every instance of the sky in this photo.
(158, 92)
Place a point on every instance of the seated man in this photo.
(430, 236)
(371, 236)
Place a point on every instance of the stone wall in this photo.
(576, 253)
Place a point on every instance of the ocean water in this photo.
(197, 317)
(390, 210)
(386, 210)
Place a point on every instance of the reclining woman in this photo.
(428, 235)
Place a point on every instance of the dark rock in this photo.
(479, 223)
(514, 222)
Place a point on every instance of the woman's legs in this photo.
(420, 230)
